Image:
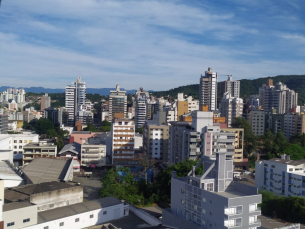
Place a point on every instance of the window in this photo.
(51, 205)
(182, 201)
(15, 147)
(204, 199)
(61, 224)
(91, 216)
(182, 190)
(195, 207)
(25, 141)
(104, 212)
(46, 227)
(26, 220)
(10, 224)
(76, 220)
(15, 141)
(203, 211)
(30, 141)
(291, 169)
(20, 147)
(20, 141)
(210, 187)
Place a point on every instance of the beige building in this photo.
(35, 149)
(123, 134)
(93, 154)
(238, 144)
(155, 140)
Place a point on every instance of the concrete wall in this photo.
(58, 198)
(171, 220)
(113, 212)
(144, 216)
(18, 215)
(12, 183)
(6, 155)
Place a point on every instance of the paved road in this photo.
(91, 186)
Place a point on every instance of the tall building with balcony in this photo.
(208, 90)
(18, 95)
(123, 134)
(277, 97)
(230, 86)
(281, 176)
(212, 200)
(117, 104)
(93, 155)
(230, 108)
(75, 97)
(45, 102)
(141, 98)
(155, 140)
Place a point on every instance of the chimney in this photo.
(288, 157)
(283, 156)
(258, 156)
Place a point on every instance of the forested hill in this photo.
(247, 87)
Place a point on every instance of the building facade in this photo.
(93, 155)
(281, 176)
(141, 98)
(212, 200)
(75, 97)
(123, 134)
(45, 102)
(117, 104)
(155, 140)
(38, 149)
(257, 121)
(230, 108)
(208, 90)
(230, 86)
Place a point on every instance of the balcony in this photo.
(257, 209)
(233, 211)
(257, 221)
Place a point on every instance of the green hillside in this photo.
(247, 87)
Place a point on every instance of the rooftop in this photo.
(47, 169)
(288, 162)
(39, 145)
(23, 192)
(7, 172)
(74, 209)
(231, 194)
(81, 132)
(73, 147)
(13, 206)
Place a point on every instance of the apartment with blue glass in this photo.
(281, 176)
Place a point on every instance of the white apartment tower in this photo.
(230, 86)
(117, 104)
(208, 90)
(230, 108)
(75, 97)
(123, 134)
(141, 98)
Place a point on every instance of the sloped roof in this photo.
(47, 169)
(72, 147)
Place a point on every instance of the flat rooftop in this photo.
(38, 145)
(74, 209)
(24, 192)
(270, 223)
(81, 132)
(6, 172)
(13, 206)
(231, 194)
(288, 162)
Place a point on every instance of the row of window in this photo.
(13, 223)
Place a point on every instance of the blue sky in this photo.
(153, 44)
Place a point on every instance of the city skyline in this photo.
(110, 42)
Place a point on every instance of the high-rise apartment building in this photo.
(18, 95)
(45, 102)
(75, 97)
(155, 140)
(117, 104)
(141, 98)
(277, 97)
(230, 108)
(123, 134)
(208, 90)
(3, 123)
(212, 200)
(230, 86)
(257, 121)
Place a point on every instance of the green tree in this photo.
(90, 127)
(139, 130)
(280, 142)
(42, 126)
(250, 140)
